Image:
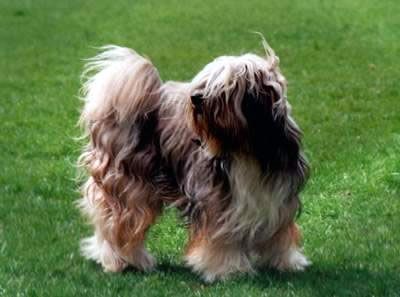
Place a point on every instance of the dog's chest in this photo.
(255, 204)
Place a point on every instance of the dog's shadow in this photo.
(331, 281)
(317, 281)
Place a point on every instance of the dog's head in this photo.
(238, 105)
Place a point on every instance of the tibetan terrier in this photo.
(222, 148)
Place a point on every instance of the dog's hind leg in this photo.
(122, 98)
(98, 249)
(119, 236)
(111, 258)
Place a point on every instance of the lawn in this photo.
(341, 59)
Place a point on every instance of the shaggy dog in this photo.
(221, 148)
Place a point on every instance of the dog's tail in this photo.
(120, 84)
(121, 95)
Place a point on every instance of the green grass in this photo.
(342, 62)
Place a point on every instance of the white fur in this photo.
(297, 261)
(97, 249)
(255, 202)
(120, 80)
(292, 260)
(218, 263)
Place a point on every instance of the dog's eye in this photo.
(197, 102)
(196, 141)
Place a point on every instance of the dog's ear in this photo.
(197, 102)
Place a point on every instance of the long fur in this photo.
(222, 148)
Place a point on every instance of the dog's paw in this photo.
(110, 260)
(100, 250)
(297, 261)
(293, 260)
(215, 264)
(143, 260)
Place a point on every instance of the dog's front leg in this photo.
(283, 251)
(215, 259)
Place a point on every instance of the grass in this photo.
(341, 59)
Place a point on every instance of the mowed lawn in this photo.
(341, 59)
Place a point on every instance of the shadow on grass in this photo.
(333, 281)
(316, 281)
(168, 271)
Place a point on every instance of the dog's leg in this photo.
(282, 251)
(114, 255)
(115, 258)
(98, 249)
(121, 98)
(216, 260)
(119, 236)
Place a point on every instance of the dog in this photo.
(223, 149)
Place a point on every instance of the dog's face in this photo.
(238, 104)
